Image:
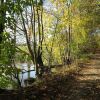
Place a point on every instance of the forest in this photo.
(49, 49)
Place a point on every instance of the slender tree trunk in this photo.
(27, 39)
(69, 36)
(40, 31)
(2, 21)
(34, 39)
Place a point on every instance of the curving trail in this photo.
(87, 86)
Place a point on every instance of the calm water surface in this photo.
(26, 75)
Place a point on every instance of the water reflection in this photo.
(28, 71)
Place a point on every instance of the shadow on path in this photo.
(87, 86)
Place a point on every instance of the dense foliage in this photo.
(30, 31)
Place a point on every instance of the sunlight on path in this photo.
(92, 70)
(87, 86)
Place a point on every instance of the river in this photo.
(26, 67)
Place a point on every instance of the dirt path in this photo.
(87, 86)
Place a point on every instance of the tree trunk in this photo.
(69, 36)
(2, 21)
